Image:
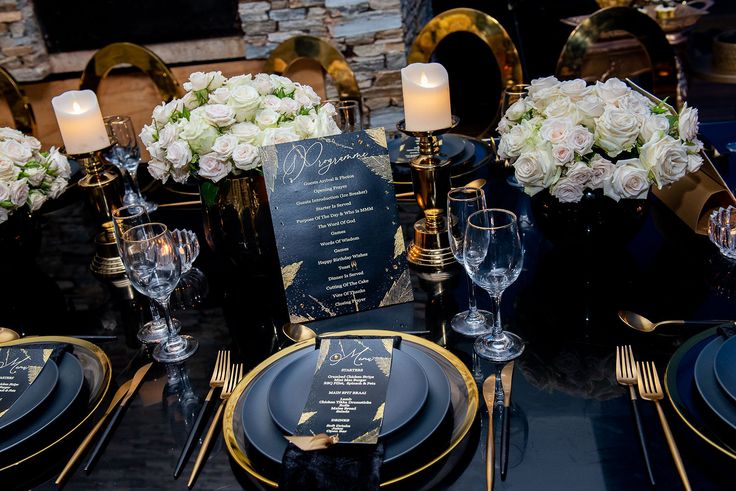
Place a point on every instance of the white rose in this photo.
(224, 146)
(15, 151)
(168, 135)
(271, 102)
(189, 101)
(306, 125)
(629, 180)
(157, 151)
(263, 84)
(567, 191)
(562, 107)
(266, 118)
(34, 175)
(580, 174)
(503, 126)
(8, 170)
(611, 90)
(655, 126)
(666, 158)
(636, 104)
(536, 171)
(19, 192)
(282, 84)
(694, 146)
(590, 107)
(31, 142)
(158, 169)
(199, 134)
(220, 115)
(274, 136)
(11, 133)
(517, 110)
(540, 84)
(239, 80)
(57, 187)
(4, 214)
(601, 172)
(245, 156)
(311, 94)
(326, 125)
(246, 132)
(4, 191)
(245, 100)
(219, 96)
(163, 112)
(288, 107)
(555, 130)
(180, 175)
(147, 134)
(35, 200)
(179, 154)
(302, 98)
(575, 89)
(687, 124)
(616, 130)
(516, 141)
(694, 162)
(580, 140)
(200, 81)
(212, 167)
(562, 154)
(58, 163)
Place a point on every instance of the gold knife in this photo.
(489, 395)
(83, 446)
(507, 375)
(134, 383)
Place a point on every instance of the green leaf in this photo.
(209, 192)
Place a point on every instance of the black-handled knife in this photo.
(193, 434)
(507, 375)
(134, 384)
(642, 439)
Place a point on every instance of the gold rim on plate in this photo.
(470, 411)
(101, 357)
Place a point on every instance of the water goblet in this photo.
(126, 155)
(347, 115)
(187, 244)
(124, 218)
(461, 203)
(493, 257)
(154, 268)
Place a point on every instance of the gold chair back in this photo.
(140, 57)
(20, 109)
(641, 26)
(329, 58)
(480, 24)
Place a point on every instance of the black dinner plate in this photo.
(682, 392)
(402, 150)
(267, 439)
(71, 381)
(725, 368)
(406, 394)
(708, 387)
(33, 397)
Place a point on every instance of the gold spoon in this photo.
(477, 184)
(641, 323)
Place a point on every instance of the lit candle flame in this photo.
(424, 80)
(76, 108)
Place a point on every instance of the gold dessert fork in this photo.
(234, 374)
(489, 395)
(651, 390)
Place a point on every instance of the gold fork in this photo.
(234, 374)
(217, 380)
(626, 375)
(651, 390)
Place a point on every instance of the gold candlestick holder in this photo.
(104, 193)
(430, 175)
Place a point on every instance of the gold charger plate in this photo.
(98, 383)
(463, 389)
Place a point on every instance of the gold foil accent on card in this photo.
(378, 135)
(370, 437)
(288, 273)
(379, 412)
(383, 364)
(400, 291)
(305, 416)
(399, 246)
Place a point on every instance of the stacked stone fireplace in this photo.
(374, 36)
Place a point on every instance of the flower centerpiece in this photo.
(28, 176)
(569, 137)
(215, 129)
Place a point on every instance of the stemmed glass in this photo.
(124, 218)
(154, 267)
(347, 115)
(126, 156)
(493, 258)
(461, 203)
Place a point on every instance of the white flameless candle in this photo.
(80, 121)
(426, 97)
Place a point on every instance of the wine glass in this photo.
(126, 155)
(124, 218)
(493, 257)
(347, 115)
(511, 95)
(461, 203)
(154, 267)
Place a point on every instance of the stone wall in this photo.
(22, 48)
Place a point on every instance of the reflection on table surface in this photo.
(571, 425)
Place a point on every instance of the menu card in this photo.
(348, 393)
(19, 367)
(337, 231)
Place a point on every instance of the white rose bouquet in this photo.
(28, 176)
(215, 129)
(569, 136)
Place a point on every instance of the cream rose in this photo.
(158, 169)
(289, 107)
(199, 134)
(35, 199)
(694, 162)
(271, 102)
(224, 146)
(15, 151)
(57, 187)
(168, 135)
(517, 110)
(282, 84)
(147, 135)
(8, 170)
(562, 107)
(555, 130)
(34, 175)
(245, 156)
(616, 130)
(687, 124)
(326, 125)
(666, 158)
(266, 118)
(515, 141)
(590, 107)
(212, 167)
(542, 83)
(12, 134)
(306, 125)
(32, 142)
(4, 191)
(246, 132)
(201, 81)
(536, 171)
(283, 134)
(601, 172)
(58, 163)
(611, 90)
(163, 112)
(220, 115)
(567, 191)
(580, 140)
(219, 96)
(580, 174)
(629, 180)
(19, 192)
(562, 154)
(263, 84)
(179, 154)
(655, 126)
